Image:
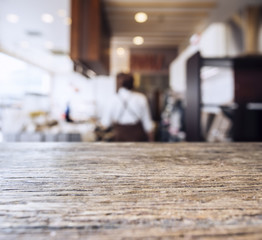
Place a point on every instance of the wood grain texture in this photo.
(163, 4)
(130, 191)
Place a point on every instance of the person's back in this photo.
(129, 113)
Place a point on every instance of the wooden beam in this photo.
(166, 12)
(161, 4)
(155, 20)
(157, 28)
(252, 29)
(238, 21)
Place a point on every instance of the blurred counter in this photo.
(130, 191)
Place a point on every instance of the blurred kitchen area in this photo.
(199, 62)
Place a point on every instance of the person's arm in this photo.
(147, 120)
(151, 136)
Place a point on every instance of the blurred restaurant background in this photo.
(198, 62)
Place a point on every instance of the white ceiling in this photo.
(30, 38)
(170, 23)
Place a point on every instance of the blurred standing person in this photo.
(129, 113)
(173, 119)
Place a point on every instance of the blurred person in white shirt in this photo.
(129, 113)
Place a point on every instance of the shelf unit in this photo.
(247, 117)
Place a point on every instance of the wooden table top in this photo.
(130, 191)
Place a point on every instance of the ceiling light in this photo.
(120, 51)
(68, 21)
(49, 45)
(47, 18)
(12, 18)
(141, 17)
(61, 12)
(138, 40)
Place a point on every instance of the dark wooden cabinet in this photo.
(90, 37)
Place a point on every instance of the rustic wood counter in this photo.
(130, 191)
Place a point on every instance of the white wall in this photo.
(177, 70)
(50, 92)
(213, 43)
(87, 97)
(218, 86)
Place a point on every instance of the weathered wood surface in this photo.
(130, 191)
